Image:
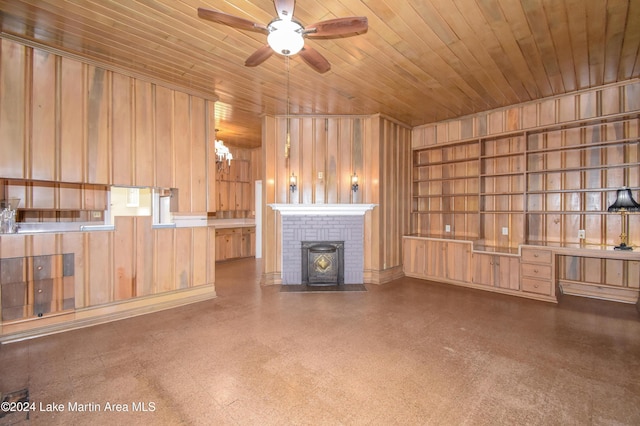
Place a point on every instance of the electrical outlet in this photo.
(582, 234)
(320, 175)
(447, 228)
(505, 231)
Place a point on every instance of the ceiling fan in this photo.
(286, 36)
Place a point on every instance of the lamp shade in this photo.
(624, 202)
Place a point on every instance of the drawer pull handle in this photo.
(535, 285)
(535, 271)
(39, 268)
(535, 255)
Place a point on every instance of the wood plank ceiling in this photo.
(420, 61)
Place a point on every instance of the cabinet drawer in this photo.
(536, 271)
(536, 256)
(536, 286)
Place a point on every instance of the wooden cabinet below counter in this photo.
(235, 243)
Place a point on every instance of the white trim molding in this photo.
(322, 209)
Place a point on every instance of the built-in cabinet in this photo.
(234, 243)
(528, 188)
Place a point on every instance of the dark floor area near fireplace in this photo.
(303, 288)
(410, 352)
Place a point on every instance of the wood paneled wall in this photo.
(325, 152)
(603, 101)
(66, 121)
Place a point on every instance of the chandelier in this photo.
(223, 157)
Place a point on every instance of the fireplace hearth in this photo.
(322, 263)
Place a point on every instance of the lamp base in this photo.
(623, 246)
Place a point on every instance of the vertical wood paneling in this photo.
(72, 119)
(320, 135)
(13, 66)
(331, 173)
(144, 256)
(122, 123)
(306, 157)
(183, 257)
(43, 116)
(198, 163)
(99, 248)
(182, 149)
(164, 278)
(98, 126)
(200, 257)
(163, 137)
(143, 145)
(124, 258)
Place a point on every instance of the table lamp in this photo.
(624, 203)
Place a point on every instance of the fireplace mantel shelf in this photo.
(322, 209)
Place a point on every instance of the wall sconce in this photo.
(354, 182)
(293, 182)
(624, 203)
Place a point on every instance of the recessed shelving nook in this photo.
(525, 192)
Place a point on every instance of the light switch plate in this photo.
(447, 228)
(505, 231)
(320, 175)
(582, 234)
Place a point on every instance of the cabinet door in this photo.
(507, 272)
(414, 257)
(221, 246)
(223, 196)
(458, 261)
(435, 259)
(483, 269)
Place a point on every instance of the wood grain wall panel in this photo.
(631, 96)
(182, 150)
(99, 246)
(212, 191)
(344, 160)
(122, 129)
(143, 159)
(43, 116)
(124, 257)
(163, 114)
(184, 256)
(588, 107)
(610, 100)
(567, 108)
(144, 278)
(13, 109)
(74, 242)
(72, 121)
(200, 257)
(319, 164)
(198, 163)
(331, 174)
(306, 155)
(98, 126)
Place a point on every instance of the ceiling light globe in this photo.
(285, 37)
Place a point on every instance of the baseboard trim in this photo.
(87, 317)
(383, 276)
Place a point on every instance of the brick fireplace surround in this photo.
(322, 222)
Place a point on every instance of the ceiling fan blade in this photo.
(284, 8)
(315, 60)
(337, 27)
(230, 20)
(259, 56)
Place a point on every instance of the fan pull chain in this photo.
(287, 147)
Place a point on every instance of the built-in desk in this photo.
(542, 271)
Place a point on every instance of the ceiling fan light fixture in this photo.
(285, 37)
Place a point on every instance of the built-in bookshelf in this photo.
(543, 185)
